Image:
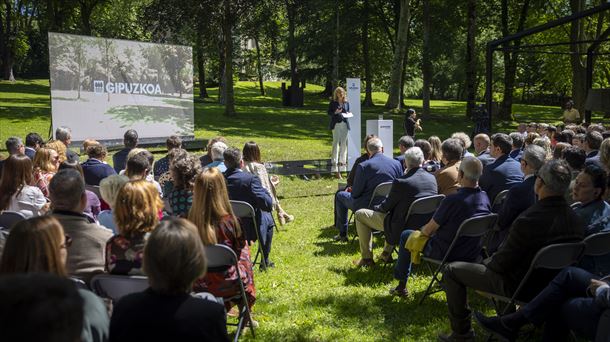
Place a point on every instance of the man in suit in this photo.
(14, 145)
(517, 152)
(64, 134)
(447, 176)
(130, 140)
(404, 143)
(503, 173)
(481, 149)
(86, 256)
(593, 141)
(548, 221)
(32, 142)
(470, 201)
(389, 216)
(246, 187)
(370, 173)
(94, 169)
(519, 197)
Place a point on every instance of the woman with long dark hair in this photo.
(17, 192)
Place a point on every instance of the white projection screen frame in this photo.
(102, 87)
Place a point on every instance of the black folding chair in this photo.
(474, 227)
(115, 287)
(423, 206)
(552, 257)
(381, 190)
(9, 218)
(499, 201)
(222, 257)
(245, 210)
(597, 244)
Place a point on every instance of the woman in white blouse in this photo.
(16, 190)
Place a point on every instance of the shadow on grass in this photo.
(25, 87)
(329, 247)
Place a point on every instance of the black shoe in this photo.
(453, 337)
(270, 264)
(340, 238)
(494, 326)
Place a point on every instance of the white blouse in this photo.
(29, 201)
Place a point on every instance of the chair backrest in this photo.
(95, 189)
(243, 209)
(220, 256)
(575, 205)
(116, 286)
(499, 200)
(597, 244)
(425, 205)
(477, 226)
(9, 218)
(558, 256)
(381, 190)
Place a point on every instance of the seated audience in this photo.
(437, 153)
(363, 157)
(173, 259)
(60, 148)
(207, 158)
(67, 190)
(470, 201)
(139, 167)
(532, 127)
(517, 146)
(183, 170)
(588, 192)
(389, 215)
(530, 138)
(376, 170)
(481, 149)
(246, 187)
(213, 215)
(565, 136)
(46, 163)
(464, 140)
(64, 135)
(136, 214)
(166, 180)
(254, 165)
(216, 152)
(519, 197)
(39, 245)
(578, 140)
(130, 141)
(13, 146)
(504, 172)
(162, 165)
(604, 154)
(550, 220)
(429, 164)
(16, 193)
(109, 189)
(575, 300)
(546, 144)
(94, 204)
(404, 143)
(558, 150)
(94, 168)
(522, 129)
(33, 141)
(575, 157)
(447, 176)
(593, 141)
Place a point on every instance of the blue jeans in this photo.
(402, 269)
(563, 306)
(343, 202)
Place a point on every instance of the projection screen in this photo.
(102, 87)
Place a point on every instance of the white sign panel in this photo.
(354, 139)
(384, 130)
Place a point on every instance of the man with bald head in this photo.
(481, 149)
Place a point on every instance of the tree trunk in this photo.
(579, 70)
(7, 56)
(292, 53)
(393, 101)
(227, 28)
(328, 88)
(335, 71)
(368, 90)
(426, 62)
(203, 92)
(471, 58)
(259, 66)
(85, 16)
(221, 70)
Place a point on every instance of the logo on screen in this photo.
(98, 87)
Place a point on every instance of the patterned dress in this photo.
(180, 202)
(224, 283)
(124, 255)
(42, 180)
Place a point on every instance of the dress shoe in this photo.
(340, 238)
(494, 326)
(364, 263)
(453, 337)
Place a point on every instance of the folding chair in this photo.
(552, 257)
(9, 218)
(423, 206)
(575, 205)
(499, 201)
(474, 227)
(222, 257)
(381, 190)
(116, 286)
(245, 210)
(597, 244)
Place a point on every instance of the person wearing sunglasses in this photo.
(46, 164)
(39, 245)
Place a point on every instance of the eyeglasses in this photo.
(67, 243)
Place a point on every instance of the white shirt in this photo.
(28, 201)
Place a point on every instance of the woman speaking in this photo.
(339, 125)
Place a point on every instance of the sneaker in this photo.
(396, 292)
(453, 337)
(340, 238)
(494, 326)
(364, 263)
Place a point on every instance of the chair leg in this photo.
(429, 288)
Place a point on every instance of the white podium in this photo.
(384, 129)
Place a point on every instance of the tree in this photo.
(368, 77)
(426, 62)
(393, 101)
(471, 57)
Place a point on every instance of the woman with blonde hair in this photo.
(58, 147)
(546, 144)
(46, 163)
(436, 154)
(109, 189)
(39, 245)
(339, 125)
(213, 215)
(136, 214)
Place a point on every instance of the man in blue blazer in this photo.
(503, 173)
(517, 152)
(94, 169)
(481, 149)
(246, 187)
(32, 142)
(119, 159)
(404, 143)
(376, 170)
